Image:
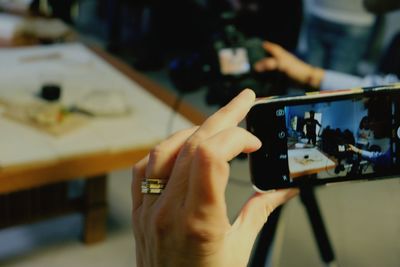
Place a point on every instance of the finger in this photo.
(266, 64)
(228, 116)
(162, 158)
(138, 173)
(255, 212)
(273, 48)
(210, 169)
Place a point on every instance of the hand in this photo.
(354, 149)
(187, 224)
(285, 62)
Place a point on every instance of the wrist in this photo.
(357, 150)
(314, 77)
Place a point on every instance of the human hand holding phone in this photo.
(187, 223)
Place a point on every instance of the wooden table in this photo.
(24, 185)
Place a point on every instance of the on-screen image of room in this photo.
(336, 126)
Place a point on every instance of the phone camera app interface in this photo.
(344, 138)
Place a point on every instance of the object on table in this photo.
(10, 27)
(21, 30)
(49, 117)
(19, 6)
(104, 103)
(50, 92)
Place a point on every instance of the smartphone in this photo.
(326, 137)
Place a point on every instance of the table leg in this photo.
(95, 210)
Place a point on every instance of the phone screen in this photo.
(326, 140)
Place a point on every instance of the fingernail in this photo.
(258, 141)
(248, 91)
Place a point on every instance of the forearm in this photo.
(368, 155)
(337, 80)
(314, 77)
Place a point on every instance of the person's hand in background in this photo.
(354, 149)
(287, 63)
(187, 224)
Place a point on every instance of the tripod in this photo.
(266, 236)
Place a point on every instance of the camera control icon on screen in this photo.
(280, 112)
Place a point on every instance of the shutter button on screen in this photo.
(280, 113)
(398, 132)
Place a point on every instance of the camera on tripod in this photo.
(225, 66)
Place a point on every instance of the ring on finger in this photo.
(153, 186)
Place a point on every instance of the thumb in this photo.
(255, 212)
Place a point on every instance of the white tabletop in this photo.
(302, 160)
(22, 71)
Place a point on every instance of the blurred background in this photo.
(176, 44)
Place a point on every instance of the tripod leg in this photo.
(310, 202)
(265, 239)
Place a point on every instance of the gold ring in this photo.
(153, 186)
